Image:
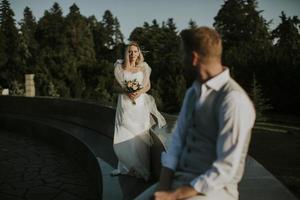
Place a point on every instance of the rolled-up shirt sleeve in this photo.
(236, 119)
(170, 158)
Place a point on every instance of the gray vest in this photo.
(202, 125)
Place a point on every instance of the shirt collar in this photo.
(215, 83)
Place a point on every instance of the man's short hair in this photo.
(204, 40)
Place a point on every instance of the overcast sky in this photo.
(133, 13)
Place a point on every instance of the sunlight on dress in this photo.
(131, 136)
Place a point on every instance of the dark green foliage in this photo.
(80, 49)
(283, 79)
(192, 24)
(2, 51)
(246, 39)
(73, 55)
(9, 44)
(28, 46)
(99, 82)
(161, 45)
(113, 38)
(53, 51)
(260, 102)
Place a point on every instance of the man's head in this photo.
(201, 45)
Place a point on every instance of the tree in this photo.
(9, 42)
(192, 24)
(119, 40)
(28, 50)
(99, 82)
(162, 45)
(97, 30)
(2, 52)
(112, 36)
(53, 55)
(80, 48)
(285, 64)
(246, 39)
(287, 41)
(261, 103)
(108, 22)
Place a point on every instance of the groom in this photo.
(209, 146)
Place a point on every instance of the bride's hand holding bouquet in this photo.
(132, 88)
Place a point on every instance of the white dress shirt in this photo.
(235, 121)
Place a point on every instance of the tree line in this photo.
(72, 55)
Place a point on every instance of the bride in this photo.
(133, 115)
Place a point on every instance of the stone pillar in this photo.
(29, 85)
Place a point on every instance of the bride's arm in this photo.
(146, 81)
(117, 84)
(145, 88)
(118, 89)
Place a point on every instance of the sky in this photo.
(133, 13)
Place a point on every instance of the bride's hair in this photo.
(139, 61)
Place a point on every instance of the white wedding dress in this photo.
(131, 135)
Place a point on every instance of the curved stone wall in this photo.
(85, 130)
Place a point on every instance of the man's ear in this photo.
(195, 58)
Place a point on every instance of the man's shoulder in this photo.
(190, 91)
(231, 85)
(233, 92)
(188, 96)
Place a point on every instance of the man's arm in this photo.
(170, 158)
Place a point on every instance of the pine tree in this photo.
(97, 30)
(162, 44)
(112, 36)
(28, 45)
(118, 40)
(246, 39)
(261, 104)
(287, 37)
(192, 24)
(53, 54)
(2, 52)
(99, 82)
(108, 22)
(285, 65)
(80, 47)
(9, 70)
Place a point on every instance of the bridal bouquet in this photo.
(132, 86)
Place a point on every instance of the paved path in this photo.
(31, 169)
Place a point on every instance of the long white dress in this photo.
(131, 135)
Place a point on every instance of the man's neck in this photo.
(209, 70)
